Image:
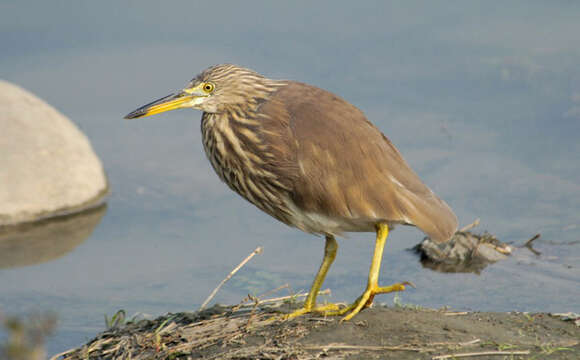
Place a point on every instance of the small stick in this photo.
(59, 355)
(529, 242)
(529, 245)
(448, 343)
(281, 298)
(338, 346)
(472, 342)
(454, 313)
(285, 286)
(485, 353)
(470, 226)
(257, 251)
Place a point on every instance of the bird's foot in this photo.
(366, 299)
(324, 309)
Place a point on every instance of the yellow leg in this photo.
(309, 305)
(373, 288)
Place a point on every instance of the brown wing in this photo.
(344, 167)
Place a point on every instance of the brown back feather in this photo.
(341, 165)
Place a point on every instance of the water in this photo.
(483, 101)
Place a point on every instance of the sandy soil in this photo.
(376, 333)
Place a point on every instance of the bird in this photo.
(311, 160)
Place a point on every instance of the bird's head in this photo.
(212, 91)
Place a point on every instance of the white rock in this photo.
(47, 165)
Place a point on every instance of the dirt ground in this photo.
(376, 333)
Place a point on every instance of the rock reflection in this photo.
(44, 241)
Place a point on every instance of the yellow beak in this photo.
(169, 102)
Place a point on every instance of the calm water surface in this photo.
(483, 101)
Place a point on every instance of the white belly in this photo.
(323, 224)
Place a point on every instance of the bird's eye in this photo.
(208, 87)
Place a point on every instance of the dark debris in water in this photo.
(464, 252)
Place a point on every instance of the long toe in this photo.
(367, 297)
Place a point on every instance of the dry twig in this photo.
(235, 270)
(484, 353)
(529, 245)
(470, 226)
(455, 313)
(339, 346)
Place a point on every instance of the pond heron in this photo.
(311, 160)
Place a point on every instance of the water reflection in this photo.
(47, 240)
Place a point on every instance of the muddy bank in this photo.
(377, 333)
